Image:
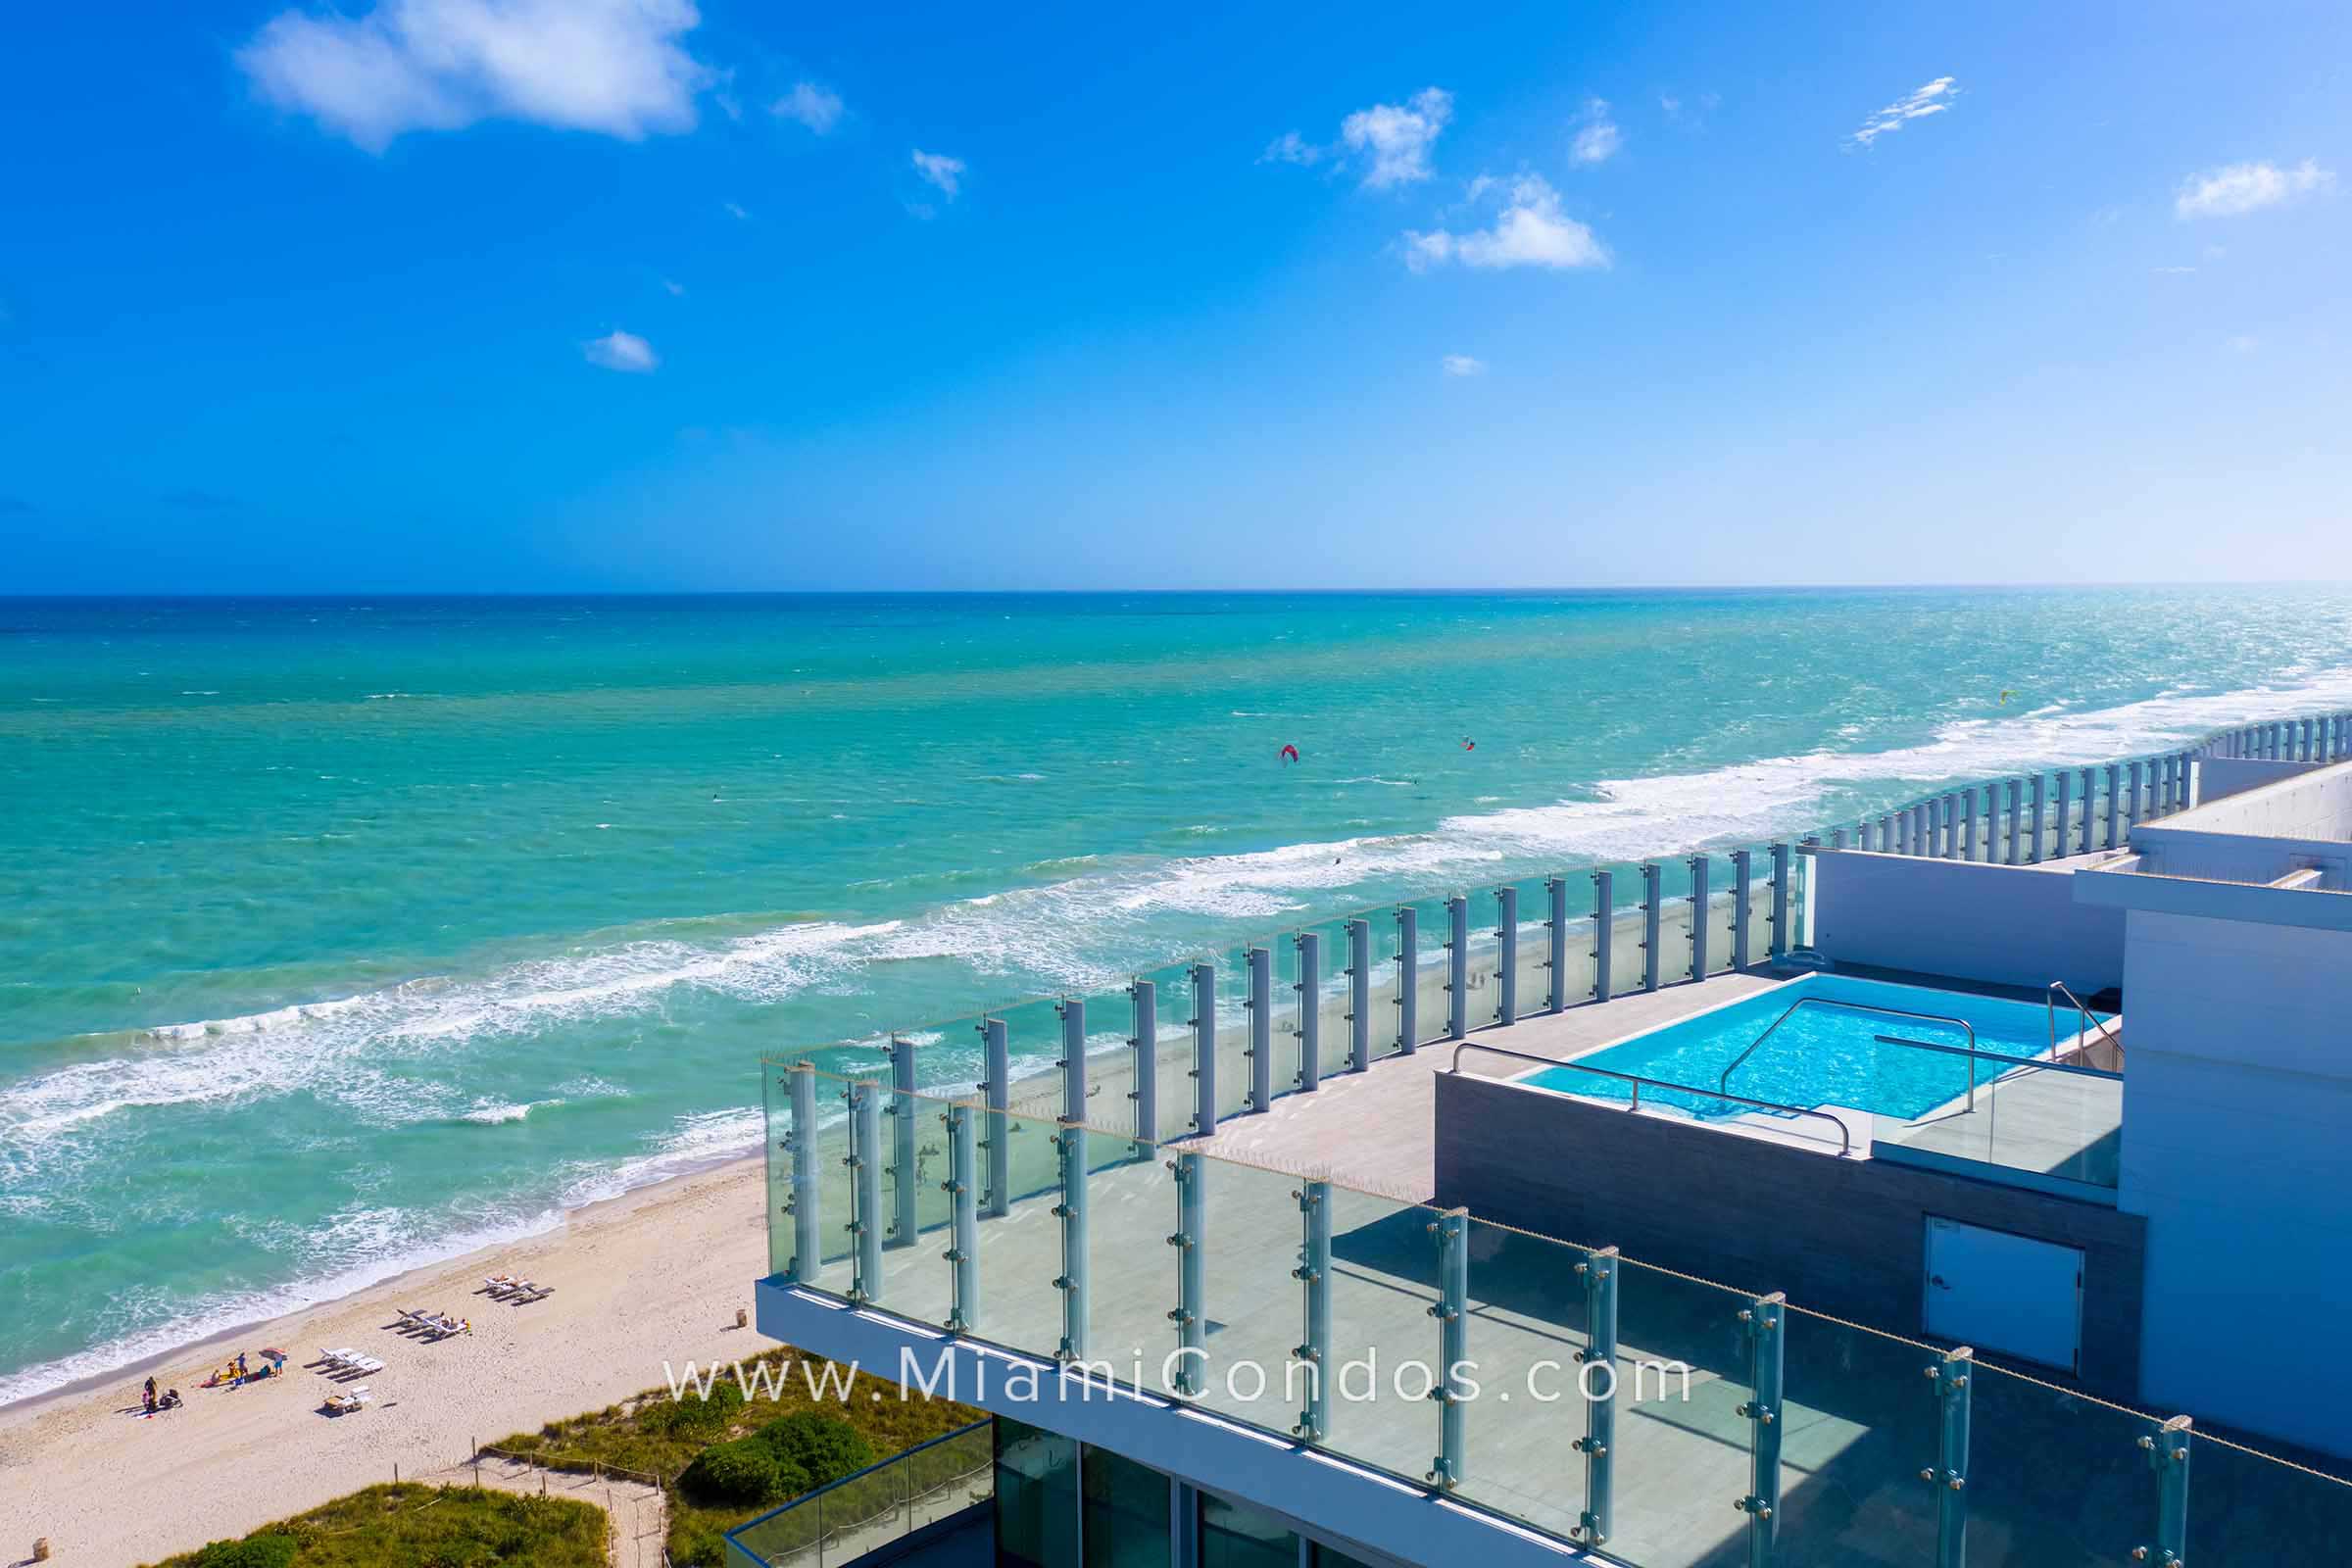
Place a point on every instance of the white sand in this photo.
(655, 1275)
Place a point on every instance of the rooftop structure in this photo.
(1629, 1234)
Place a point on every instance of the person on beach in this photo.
(151, 1396)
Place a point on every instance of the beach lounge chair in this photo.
(367, 1363)
(537, 1292)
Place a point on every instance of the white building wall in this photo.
(2238, 1146)
(2014, 925)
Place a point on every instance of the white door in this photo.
(2004, 1293)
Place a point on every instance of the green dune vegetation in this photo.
(404, 1524)
(734, 1454)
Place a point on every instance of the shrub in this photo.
(744, 1474)
(821, 1444)
(693, 1416)
(255, 1552)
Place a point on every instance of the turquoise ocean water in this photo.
(335, 936)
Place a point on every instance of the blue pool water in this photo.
(1821, 1055)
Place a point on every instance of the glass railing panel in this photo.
(947, 1477)
(1382, 1285)
(775, 1106)
(1527, 1330)
(2240, 1501)
(1535, 946)
(1329, 1001)
(1483, 966)
(1683, 1447)
(1020, 1253)
(2055, 1123)
(835, 1184)
(863, 1513)
(1626, 952)
(1132, 1211)
(1721, 900)
(1759, 909)
(1430, 993)
(1859, 1421)
(1255, 1305)
(1387, 974)
(2054, 1477)
(1109, 1060)
(788, 1538)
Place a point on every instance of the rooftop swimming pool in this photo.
(1824, 1053)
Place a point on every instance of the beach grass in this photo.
(657, 1436)
(403, 1524)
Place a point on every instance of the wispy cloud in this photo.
(938, 168)
(616, 67)
(808, 104)
(621, 350)
(2246, 188)
(2241, 344)
(733, 210)
(1596, 137)
(1396, 139)
(1531, 231)
(1932, 99)
(1463, 365)
(2174, 271)
(677, 289)
(1292, 148)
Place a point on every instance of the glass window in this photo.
(1236, 1535)
(1333, 1557)
(1126, 1513)
(1037, 1498)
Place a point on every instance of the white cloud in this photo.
(1464, 365)
(620, 350)
(734, 210)
(610, 65)
(1530, 231)
(678, 290)
(1670, 103)
(937, 169)
(2247, 187)
(809, 104)
(2173, 271)
(2241, 344)
(1292, 148)
(1597, 137)
(1932, 99)
(1397, 139)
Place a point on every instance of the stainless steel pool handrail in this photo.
(2038, 1063)
(1845, 1138)
(1857, 1006)
(2049, 997)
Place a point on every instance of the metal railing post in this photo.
(964, 1248)
(1953, 1377)
(1260, 1006)
(865, 1189)
(1698, 916)
(1555, 932)
(1506, 954)
(1650, 925)
(1359, 995)
(1315, 1272)
(1597, 1444)
(1072, 1012)
(1204, 1047)
(2058, 849)
(2082, 842)
(1968, 823)
(1762, 1322)
(901, 1112)
(2016, 825)
(1604, 926)
(1408, 979)
(1069, 1148)
(2041, 783)
(1307, 946)
(1743, 887)
(1452, 1312)
(1457, 966)
(1191, 1316)
(1780, 899)
(1142, 998)
(808, 1254)
(2167, 1455)
(995, 1084)
(2115, 806)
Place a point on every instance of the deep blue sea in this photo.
(338, 935)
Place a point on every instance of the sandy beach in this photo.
(657, 1274)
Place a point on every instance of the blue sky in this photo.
(612, 294)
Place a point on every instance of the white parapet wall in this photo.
(2259, 834)
(2016, 925)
